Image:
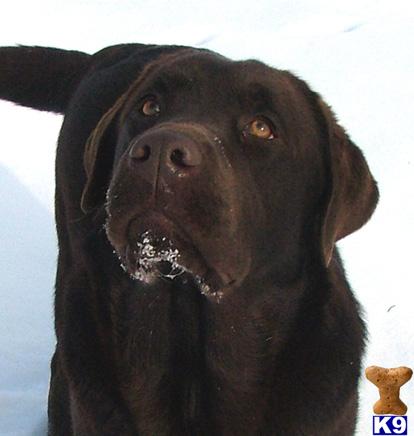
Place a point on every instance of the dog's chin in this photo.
(152, 257)
(161, 254)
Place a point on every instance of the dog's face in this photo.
(218, 169)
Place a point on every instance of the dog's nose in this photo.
(173, 150)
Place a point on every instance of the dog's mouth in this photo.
(158, 249)
(156, 257)
(151, 257)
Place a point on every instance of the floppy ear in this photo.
(42, 78)
(353, 191)
(100, 146)
(98, 159)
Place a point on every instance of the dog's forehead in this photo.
(218, 73)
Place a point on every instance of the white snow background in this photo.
(359, 54)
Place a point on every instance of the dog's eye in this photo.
(260, 128)
(150, 108)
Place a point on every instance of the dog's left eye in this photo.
(260, 128)
(150, 108)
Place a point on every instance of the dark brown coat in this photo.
(198, 203)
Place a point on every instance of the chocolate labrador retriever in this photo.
(198, 203)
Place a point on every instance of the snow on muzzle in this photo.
(153, 256)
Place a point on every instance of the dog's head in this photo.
(219, 169)
(222, 169)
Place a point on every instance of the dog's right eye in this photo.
(150, 108)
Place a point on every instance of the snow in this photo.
(357, 54)
(154, 251)
(150, 255)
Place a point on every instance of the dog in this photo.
(198, 203)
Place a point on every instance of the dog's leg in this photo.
(96, 405)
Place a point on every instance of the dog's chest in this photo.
(187, 367)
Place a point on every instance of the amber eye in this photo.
(150, 108)
(259, 128)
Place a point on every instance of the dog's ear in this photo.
(98, 159)
(100, 146)
(352, 192)
(42, 78)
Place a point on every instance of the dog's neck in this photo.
(198, 357)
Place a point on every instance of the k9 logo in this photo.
(390, 425)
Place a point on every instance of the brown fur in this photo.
(261, 334)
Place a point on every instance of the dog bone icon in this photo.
(389, 381)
